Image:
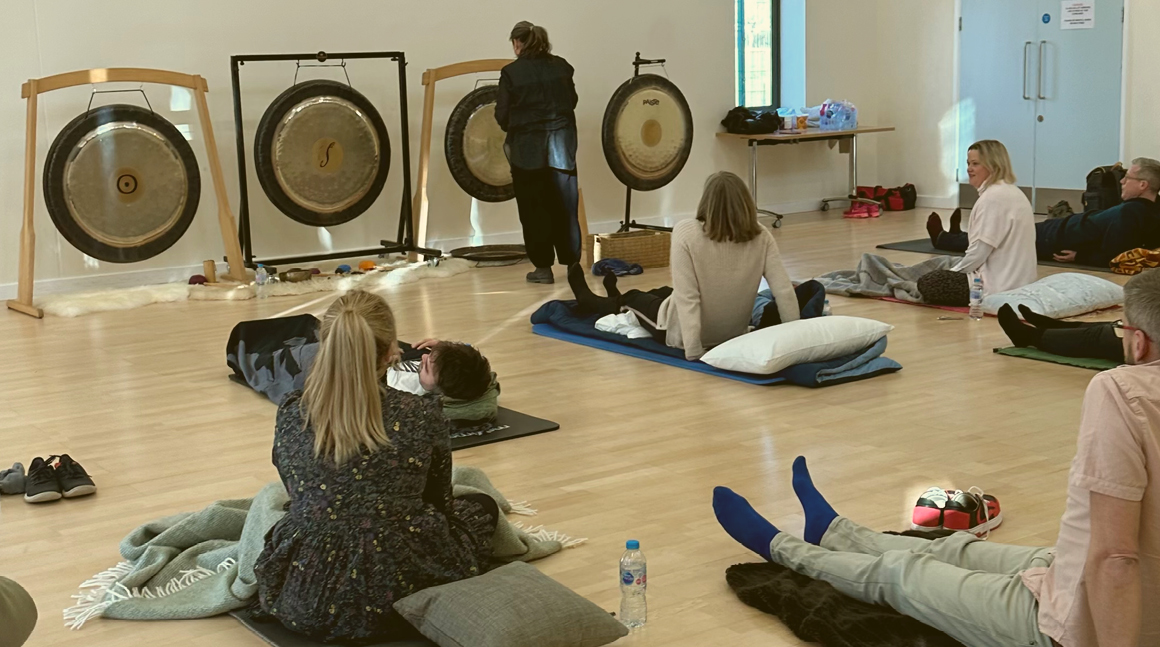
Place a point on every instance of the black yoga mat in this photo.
(923, 246)
(275, 634)
(508, 424)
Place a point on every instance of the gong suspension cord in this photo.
(298, 65)
(140, 89)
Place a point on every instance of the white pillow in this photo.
(769, 350)
(1060, 295)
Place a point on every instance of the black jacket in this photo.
(536, 107)
(1099, 236)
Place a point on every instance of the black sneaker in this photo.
(73, 479)
(41, 485)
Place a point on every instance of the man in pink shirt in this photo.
(1089, 590)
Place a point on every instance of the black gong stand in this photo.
(629, 223)
(405, 239)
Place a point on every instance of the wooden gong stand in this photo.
(430, 77)
(33, 88)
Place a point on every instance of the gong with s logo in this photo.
(121, 184)
(647, 132)
(474, 145)
(322, 153)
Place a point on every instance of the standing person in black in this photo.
(536, 108)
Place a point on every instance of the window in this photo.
(758, 52)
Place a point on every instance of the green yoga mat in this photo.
(1079, 362)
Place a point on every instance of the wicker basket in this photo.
(645, 248)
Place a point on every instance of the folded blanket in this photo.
(876, 276)
(201, 564)
(861, 365)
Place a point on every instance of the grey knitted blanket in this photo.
(876, 276)
(201, 564)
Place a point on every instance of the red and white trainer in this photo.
(928, 511)
(972, 511)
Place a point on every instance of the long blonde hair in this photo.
(993, 156)
(343, 397)
(728, 210)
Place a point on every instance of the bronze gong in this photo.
(322, 153)
(647, 132)
(474, 145)
(121, 183)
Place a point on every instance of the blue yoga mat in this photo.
(548, 330)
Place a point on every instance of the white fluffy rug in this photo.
(81, 303)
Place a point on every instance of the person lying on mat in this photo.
(457, 372)
(1001, 242)
(1091, 589)
(1098, 340)
(717, 260)
(371, 517)
(1093, 238)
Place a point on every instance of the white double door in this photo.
(1043, 77)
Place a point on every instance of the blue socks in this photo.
(819, 514)
(742, 522)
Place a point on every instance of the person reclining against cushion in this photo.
(717, 262)
(1001, 242)
(372, 517)
(272, 355)
(1093, 238)
(1091, 589)
(1094, 339)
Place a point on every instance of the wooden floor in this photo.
(141, 399)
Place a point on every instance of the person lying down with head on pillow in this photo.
(272, 357)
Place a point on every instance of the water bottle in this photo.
(976, 297)
(826, 309)
(261, 277)
(633, 582)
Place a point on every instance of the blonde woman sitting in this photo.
(1000, 245)
(368, 469)
(717, 262)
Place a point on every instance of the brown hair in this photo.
(343, 397)
(727, 209)
(993, 156)
(461, 371)
(533, 39)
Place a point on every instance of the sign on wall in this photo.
(1077, 14)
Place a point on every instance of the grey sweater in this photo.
(17, 614)
(714, 285)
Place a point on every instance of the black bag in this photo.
(747, 121)
(1103, 187)
(902, 198)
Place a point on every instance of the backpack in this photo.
(746, 121)
(1103, 187)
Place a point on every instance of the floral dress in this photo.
(359, 536)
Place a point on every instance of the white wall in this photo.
(1141, 91)
(44, 37)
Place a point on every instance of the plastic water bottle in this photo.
(633, 583)
(261, 277)
(976, 297)
(826, 309)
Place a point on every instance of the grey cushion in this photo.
(512, 606)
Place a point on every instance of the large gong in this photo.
(648, 132)
(121, 183)
(322, 153)
(474, 145)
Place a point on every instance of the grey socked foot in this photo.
(541, 275)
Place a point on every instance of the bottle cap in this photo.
(632, 544)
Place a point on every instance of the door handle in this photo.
(1026, 97)
(1039, 81)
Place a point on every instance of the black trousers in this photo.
(648, 304)
(1097, 340)
(949, 242)
(548, 200)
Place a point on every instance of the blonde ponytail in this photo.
(343, 395)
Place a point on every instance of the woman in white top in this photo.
(1000, 244)
(718, 261)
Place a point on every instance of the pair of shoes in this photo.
(862, 210)
(541, 275)
(970, 511)
(56, 477)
